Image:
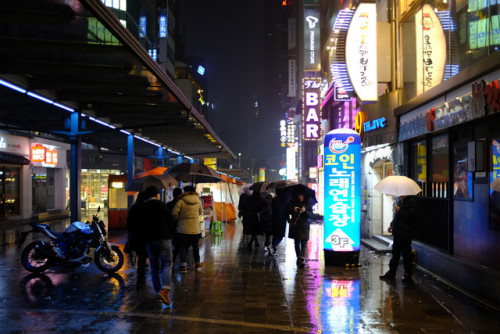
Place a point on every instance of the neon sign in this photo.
(142, 26)
(311, 109)
(375, 124)
(163, 24)
(311, 39)
(342, 204)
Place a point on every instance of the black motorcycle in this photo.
(71, 247)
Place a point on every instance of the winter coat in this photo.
(250, 209)
(278, 216)
(299, 221)
(266, 214)
(187, 212)
(135, 235)
(405, 220)
(157, 221)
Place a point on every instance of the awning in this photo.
(13, 159)
(78, 56)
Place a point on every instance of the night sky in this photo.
(239, 43)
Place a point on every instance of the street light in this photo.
(239, 160)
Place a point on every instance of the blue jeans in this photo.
(160, 261)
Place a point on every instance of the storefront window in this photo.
(94, 188)
(495, 184)
(9, 191)
(462, 178)
(419, 160)
(443, 38)
(43, 186)
(440, 169)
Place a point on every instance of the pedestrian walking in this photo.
(265, 220)
(187, 212)
(250, 209)
(300, 214)
(176, 193)
(158, 233)
(403, 229)
(278, 220)
(135, 238)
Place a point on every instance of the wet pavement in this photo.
(239, 291)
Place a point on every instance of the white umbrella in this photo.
(495, 185)
(397, 185)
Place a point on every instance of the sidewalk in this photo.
(239, 291)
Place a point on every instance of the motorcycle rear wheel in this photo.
(34, 259)
(109, 264)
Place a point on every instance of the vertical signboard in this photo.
(361, 52)
(163, 26)
(342, 197)
(431, 49)
(311, 109)
(292, 78)
(311, 39)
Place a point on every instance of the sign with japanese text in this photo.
(342, 195)
(311, 109)
(361, 52)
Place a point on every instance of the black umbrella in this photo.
(258, 186)
(291, 191)
(194, 173)
(159, 181)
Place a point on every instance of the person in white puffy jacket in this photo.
(187, 213)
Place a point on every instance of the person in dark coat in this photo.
(300, 219)
(135, 238)
(158, 232)
(278, 219)
(265, 220)
(403, 229)
(175, 240)
(250, 209)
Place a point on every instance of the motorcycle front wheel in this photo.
(109, 260)
(34, 258)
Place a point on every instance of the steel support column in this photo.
(130, 165)
(75, 168)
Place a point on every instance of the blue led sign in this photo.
(163, 25)
(378, 123)
(342, 203)
(142, 26)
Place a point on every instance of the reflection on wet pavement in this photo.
(239, 291)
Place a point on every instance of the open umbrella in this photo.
(289, 192)
(159, 181)
(495, 185)
(259, 186)
(280, 184)
(194, 173)
(397, 185)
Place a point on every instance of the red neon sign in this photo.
(37, 153)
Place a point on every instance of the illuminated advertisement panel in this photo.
(311, 39)
(431, 49)
(311, 109)
(163, 24)
(361, 52)
(291, 169)
(342, 195)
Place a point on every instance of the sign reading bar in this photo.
(311, 109)
(342, 203)
(361, 52)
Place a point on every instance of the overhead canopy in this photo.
(78, 56)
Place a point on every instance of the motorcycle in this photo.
(71, 247)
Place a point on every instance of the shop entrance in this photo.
(43, 189)
(383, 206)
(9, 191)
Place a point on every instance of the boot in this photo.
(407, 279)
(388, 276)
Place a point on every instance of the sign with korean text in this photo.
(45, 155)
(342, 195)
(361, 52)
(431, 49)
(311, 39)
(311, 109)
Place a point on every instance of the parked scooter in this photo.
(71, 247)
